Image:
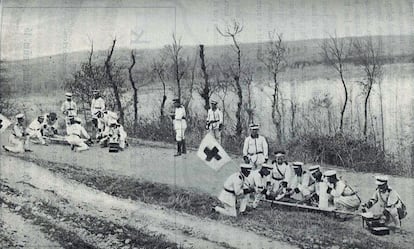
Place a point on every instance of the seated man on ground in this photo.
(49, 128)
(77, 135)
(117, 134)
(35, 128)
(234, 187)
(294, 183)
(257, 180)
(281, 170)
(389, 204)
(310, 186)
(340, 194)
(18, 138)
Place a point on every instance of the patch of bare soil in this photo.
(306, 230)
(104, 221)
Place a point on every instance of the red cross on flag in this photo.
(4, 123)
(212, 154)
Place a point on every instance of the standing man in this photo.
(69, 107)
(233, 188)
(215, 121)
(18, 138)
(180, 125)
(342, 195)
(390, 204)
(255, 148)
(97, 109)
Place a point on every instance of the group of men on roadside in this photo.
(109, 132)
(258, 180)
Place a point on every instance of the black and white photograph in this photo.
(274, 124)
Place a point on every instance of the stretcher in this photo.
(56, 139)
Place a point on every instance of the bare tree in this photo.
(135, 89)
(249, 107)
(368, 57)
(158, 67)
(232, 31)
(274, 58)
(179, 66)
(335, 52)
(205, 91)
(115, 83)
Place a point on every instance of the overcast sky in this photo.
(38, 28)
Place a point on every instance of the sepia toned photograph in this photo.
(275, 124)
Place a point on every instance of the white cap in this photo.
(330, 173)
(246, 166)
(68, 94)
(380, 180)
(279, 153)
(95, 91)
(213, 102)
(297, 165)
(20, 115)
(254, 126)
(314, 168)
(76, 119)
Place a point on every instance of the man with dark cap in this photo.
(180, 125)
(389, 202)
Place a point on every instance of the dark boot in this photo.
(184, 149)
(178, 149)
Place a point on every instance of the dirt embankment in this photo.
(306, 230)
(77, 216)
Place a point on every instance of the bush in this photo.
(345, 151)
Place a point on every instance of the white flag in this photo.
(212, 153)
(4, 123)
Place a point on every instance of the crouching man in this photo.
(35, 130)
(117, 134)
(340, 193)
(389, 202)
(18, 139)
(259, 181)
(77, 135)
(233, 188)
(49, 128)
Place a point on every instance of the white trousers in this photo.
(78, 142)
(216, 133)
(17, 145)
(35, 134)
(180, 134)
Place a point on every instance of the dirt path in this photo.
(70, 198)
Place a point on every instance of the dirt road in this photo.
(28, 185)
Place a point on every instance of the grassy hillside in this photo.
(38, 74)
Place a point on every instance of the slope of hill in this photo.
(38, 74)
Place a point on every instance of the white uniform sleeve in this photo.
(339, 189)
(245, 146)
(92, 106)
(220, 117)
(238, 185)
(84, 132)
(63, 108)
(209, 115)
(17, 131)
(75, 109)
(265, 148)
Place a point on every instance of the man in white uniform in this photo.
(258, 180)
(35, 129)
(388, 202)
(255, 148)
(18, 138)
(342, 195)
(294, 183)
(50, 125)
(310, 186)
(97, 109)
(234, 186)
(77, 135)
(69, 107)
(180, 125)
(281, 170)
(215, 121)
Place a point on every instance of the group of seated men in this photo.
(289, 182)
(108, 130)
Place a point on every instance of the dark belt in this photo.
(230, 191)
(260, 152)
(277, 179)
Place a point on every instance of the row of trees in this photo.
(233, 75)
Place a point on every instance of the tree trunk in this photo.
(366, 109)
(135, 89)
(382, 117)
(276, 115)
(113, 84)
(205, 92)
(345, 102)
